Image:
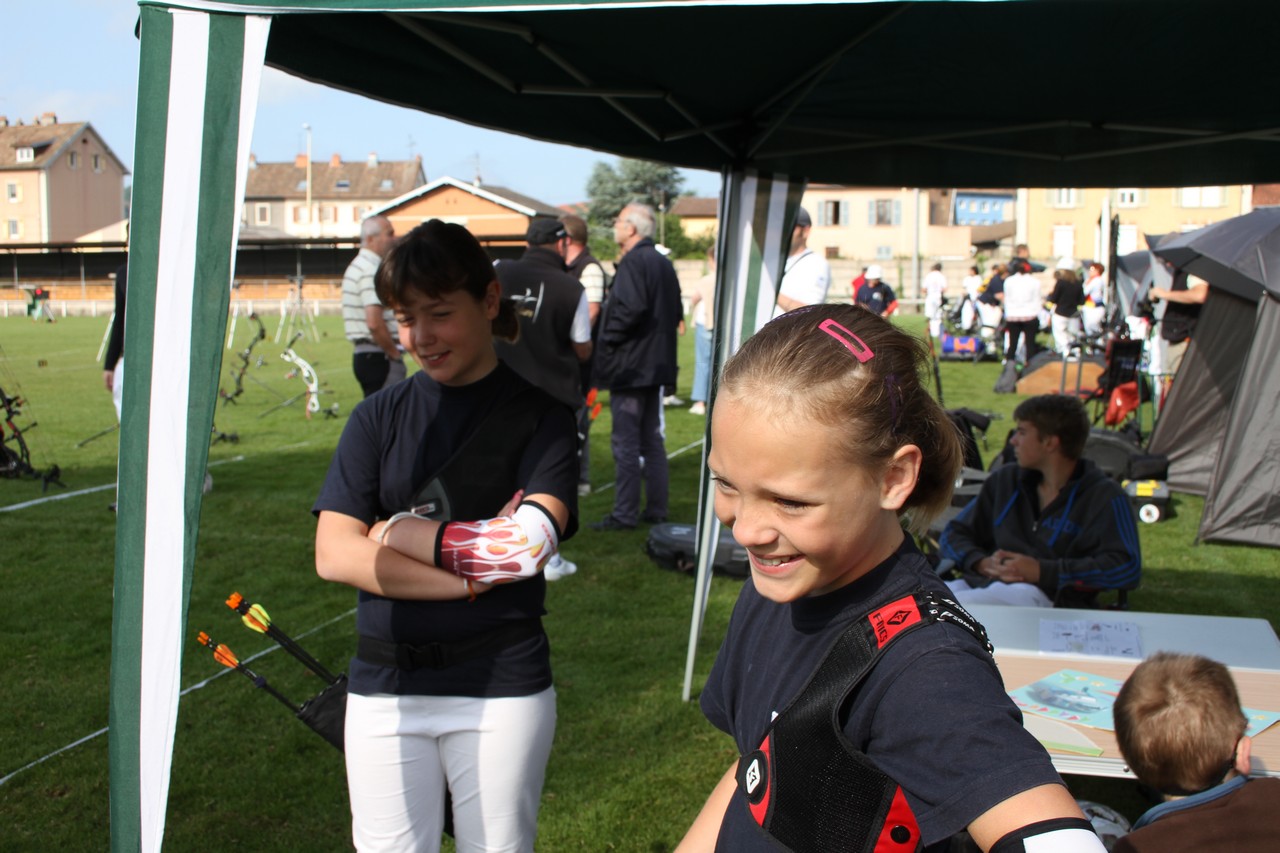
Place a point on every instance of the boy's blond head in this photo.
(1178, 721)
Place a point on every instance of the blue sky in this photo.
(79, 59)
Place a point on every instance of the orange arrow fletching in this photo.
(234, 601)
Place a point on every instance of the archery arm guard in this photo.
(498, 550)
(1060, 835)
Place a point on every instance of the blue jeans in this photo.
(701, 362)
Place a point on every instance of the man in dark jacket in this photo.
(1050, 529)
(635, 357)
(555, 325)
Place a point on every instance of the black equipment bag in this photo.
(1008, 381)
(326, 712)
(675, 547)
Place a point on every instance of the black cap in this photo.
(543, 231)
(803, 220)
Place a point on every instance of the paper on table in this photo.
(1070, 696)
(1060, 736)
(1089, 637)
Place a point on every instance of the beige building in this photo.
(60, 181)
(282, 200)
(1059, 222)
(697, 215)
(879, 224)
(497, 216)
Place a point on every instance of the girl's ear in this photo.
(900, 476)
(492, 299)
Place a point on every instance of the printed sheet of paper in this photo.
(1090, 637)
(1070, 696)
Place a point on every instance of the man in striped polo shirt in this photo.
(378, 361)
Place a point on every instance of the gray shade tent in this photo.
(1218, 425)
(770, 94)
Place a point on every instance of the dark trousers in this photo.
(637, 433)
(1016, 328)
(374, 371)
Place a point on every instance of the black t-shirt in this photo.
(393, 441)
(994, 288)
(1179, 322)
(932, 714)
(1067, 296)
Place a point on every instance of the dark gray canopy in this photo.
(1219, 425)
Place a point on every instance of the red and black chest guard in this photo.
(807, 786)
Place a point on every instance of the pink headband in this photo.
(848, 339)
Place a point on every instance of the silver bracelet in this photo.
(399, 516)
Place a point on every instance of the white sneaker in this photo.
(558, 567)
(672, 400)
(584, 489)
(698, 408)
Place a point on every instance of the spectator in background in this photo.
(1180, 729)
(377, 361)
(1095, 286)
(972, 284)
(1184, 300)
(990, 299)
(1052, 528)
(875, 295)
(590, 273)
(805, 276)
(636, 357)
(113, 363)
(935, 286)
(1066, 297)
(857, 283)
(1021, 302)
(703, 305)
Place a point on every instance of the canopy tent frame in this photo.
(839, 119)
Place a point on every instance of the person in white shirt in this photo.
(806, 276)
(935, 284)
(1022, 304)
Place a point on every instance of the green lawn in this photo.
(632, 763)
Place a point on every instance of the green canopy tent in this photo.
(979, 94)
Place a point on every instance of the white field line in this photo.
(62, 496)
(192, 688)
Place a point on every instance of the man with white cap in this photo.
(875, 295)
(806, 276)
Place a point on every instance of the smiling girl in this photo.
(866, 706)
(451, 682)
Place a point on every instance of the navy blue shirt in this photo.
(933, 713)
(394, 441)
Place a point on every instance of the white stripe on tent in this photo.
(255, 49)
(162, 617)
(750, 268)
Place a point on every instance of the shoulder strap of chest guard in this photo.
(809, 788)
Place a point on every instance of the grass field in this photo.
(632, 763)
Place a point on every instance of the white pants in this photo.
(933, 310)
(1064, 330)
(1017, 594)
(117, 388)
(493, 752)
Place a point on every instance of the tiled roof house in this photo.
(60, 181)
(342, 194)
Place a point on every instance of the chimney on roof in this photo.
(335, 161)
(300, 161)
(47, 119)
(373, 159)
(253, 160)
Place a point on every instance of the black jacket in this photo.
(1086, 538)
(638, 322)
